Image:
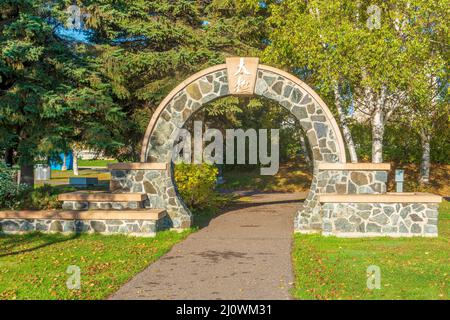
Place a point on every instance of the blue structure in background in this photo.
(56, 164)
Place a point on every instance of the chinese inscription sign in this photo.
(242, 75)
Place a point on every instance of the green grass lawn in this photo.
(34, 266)
(95, 163)
(62, 177)
(411, 268)
(88, 173)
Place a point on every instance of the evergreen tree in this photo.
(50, 94)
(147, 47)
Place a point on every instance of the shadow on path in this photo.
(242, 253)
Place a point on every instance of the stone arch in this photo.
(212, 83)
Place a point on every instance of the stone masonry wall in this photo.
(377, 219)
(299, 102)
(310, 219)
(104, 205)
(145, 228)
(351, 182)
(160, 189)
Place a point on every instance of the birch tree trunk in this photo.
(344, 125)
(64, 164)
(75, 161)
(425, 133)
(304, 149)
(377, 135)
(425, 162)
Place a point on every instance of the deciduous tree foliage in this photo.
(376, 49)
(427, 109)
(56, 92)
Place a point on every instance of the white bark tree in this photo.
(75, 161)
(64, 164)
(428, 110)
(378, 106)
(343, 117)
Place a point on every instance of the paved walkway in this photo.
(242, 254)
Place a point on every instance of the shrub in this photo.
(11, 192)
(41, 198)
(196, 185)
(20, 196)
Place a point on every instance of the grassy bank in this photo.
(95, 163)
(291, 177)
(296, 177)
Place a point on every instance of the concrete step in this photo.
(142, 214)
(101, 196)
(137, 166)
(389, 197)
(144, 223)
(99, 200)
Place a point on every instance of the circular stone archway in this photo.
(239, 76)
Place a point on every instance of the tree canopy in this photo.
(50, 91)
(381, 64)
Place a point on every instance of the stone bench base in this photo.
(104, 205)
(393, 215)
(99, 200)
(145, 223)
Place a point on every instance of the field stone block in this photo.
(381, 219)
(56, 226)
(42, 225)
(69, 226)
(416, 228)
(431, 213)
(372, 227)
(389, 229)
(363, 206)
(402, 228)
(299, 112)
(98, 226)
(321, 130)
(343, 225)
(405, 211)
(194, 91)
(381, 176)
(414, 217)
(359, 178)
(430, 229)
(296, 96)
(9, 226)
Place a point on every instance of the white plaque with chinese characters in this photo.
(242, 75)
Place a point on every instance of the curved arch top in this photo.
(330, 120)
(168, 98)
(322, 104)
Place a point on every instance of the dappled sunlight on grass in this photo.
(292, 177)
(87, 173)
(95, 163)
